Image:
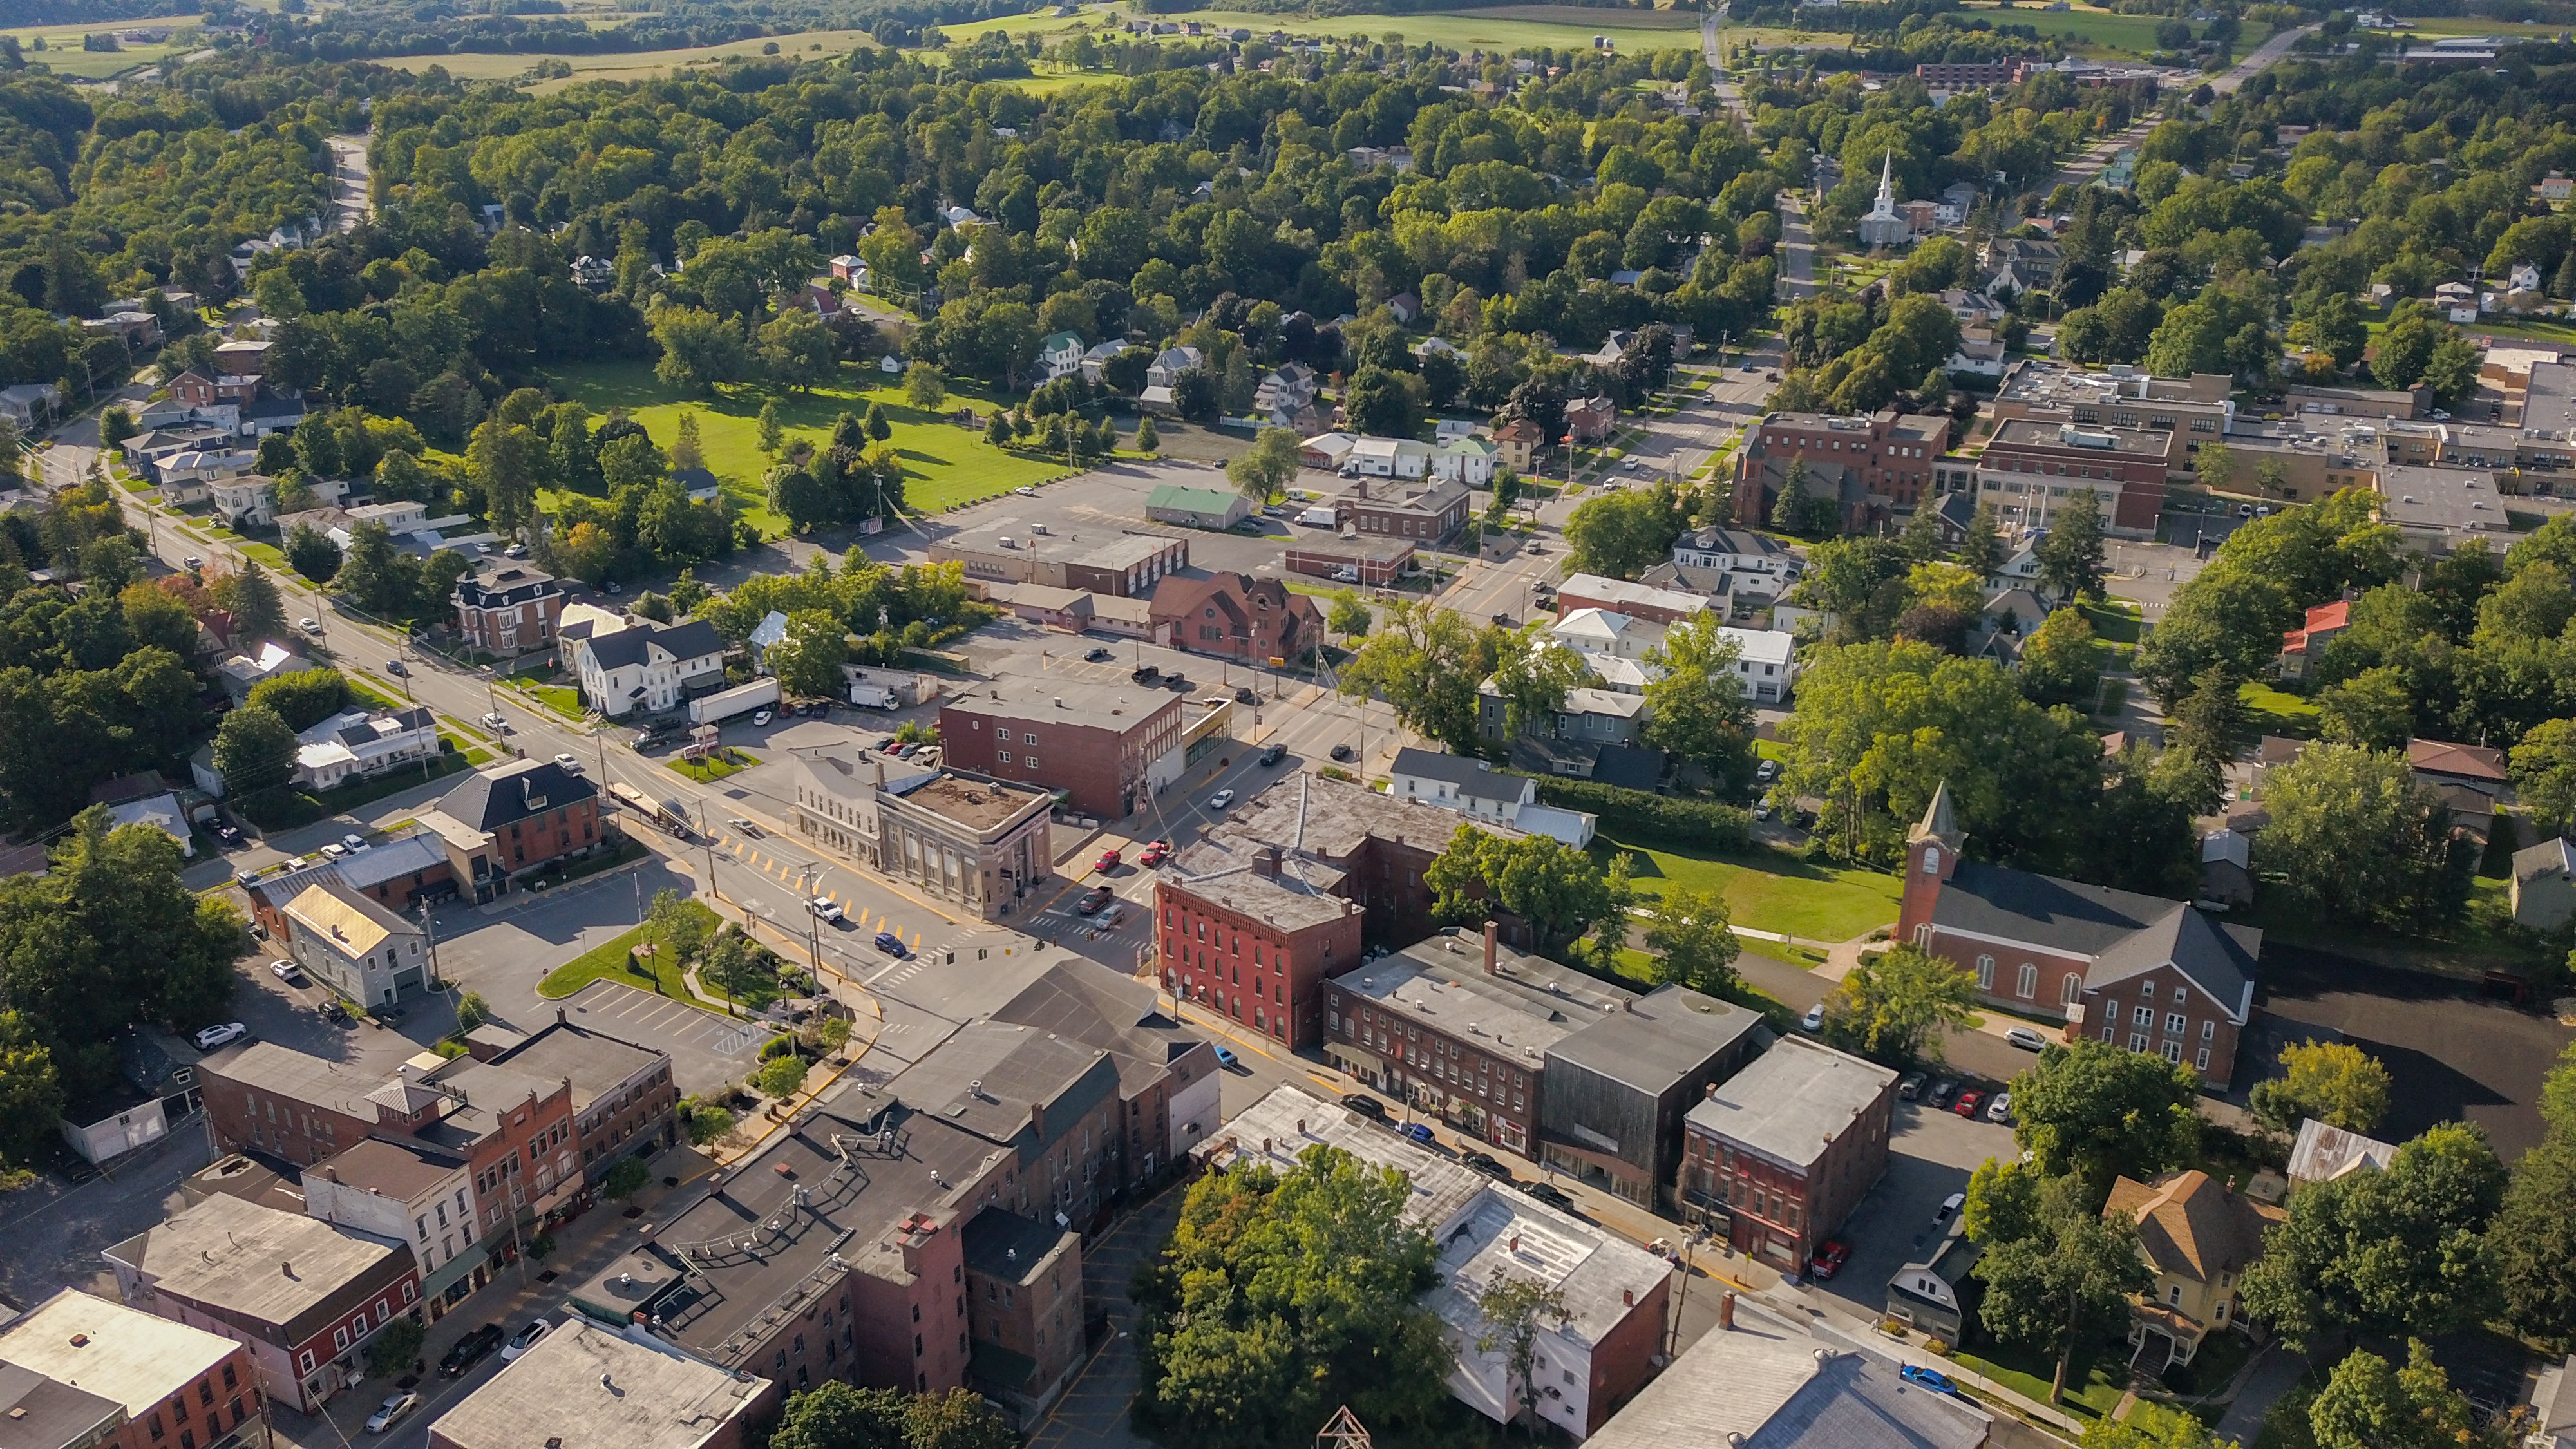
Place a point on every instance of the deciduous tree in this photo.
(2399, 1250)
(2065, 1282)
(1691, 936)
(2355, 835)
(2337, 1083)
(1697, 710)
(2098, 1110)
(1897, 1008)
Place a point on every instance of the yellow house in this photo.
(2198, 1239)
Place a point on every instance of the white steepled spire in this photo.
(1887, 184)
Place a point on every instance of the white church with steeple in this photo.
(1883, 227)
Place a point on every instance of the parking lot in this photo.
(1931, 1152)
(706, 1050)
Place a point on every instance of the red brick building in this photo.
(1780, 1153)
(2032, 467)
(164, 1384)
(2147, 973)
(1097, 742)
(275, 1100)
(1890, 453)
(508, 609)
(1242, 930)
(513, 821)
(1235, 616)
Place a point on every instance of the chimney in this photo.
(1627, 1297)
(1265, 862)
(1489, 948)
(286, 1267)
(1726, 1309)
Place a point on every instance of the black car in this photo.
(1243, 695)
(1274, 754)
(1504, 620)
(1146, 674)
(469, 1350)
(1365, 1105)
(1485, 1163)
(1097, 656)
(1342, 752)
(1547, 1193)
(1177, 683)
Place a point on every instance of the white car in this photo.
(353, 842)
(1220, 799)
(2000, 1109)
(1814, 1020)
(2025, 1038)
(824, 908)
(335, 850)
(284, 970)
(495, 721)
(215, 1036)
(571, 766)
(523, 1340)
(1025, 491)
(309, 626)
(391, 1412)
(760, 716)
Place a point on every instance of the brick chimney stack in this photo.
(1489, 948)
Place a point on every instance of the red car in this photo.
(1829, 1259)
(1156, 853)
(1968, 1101)
(1108, 860)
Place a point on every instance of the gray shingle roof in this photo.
(494, 798)
(1474, 778)
(681, 641)
(2126, 933)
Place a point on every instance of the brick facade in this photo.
(1891, 452)
(1095, 742)
(1253, 951)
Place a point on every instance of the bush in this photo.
(707, 1120)
(781, 1077)
(627, 1176)
(776, 1047)
(472, 1011)
(1702, 824)
(395, 1348)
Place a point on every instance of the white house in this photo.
(1465, 460)
(251, 498)
(626, 665)
(181, 469)
(1461, 783)
(355, 744)
(1286, 389)
(162, 812)
(1766, 663)
(29, 403)
(1735, 551)
(1170, 363)
(1098, 358)
(1608, 633)
(357, 947)
(2525, 277)
(1060, 355)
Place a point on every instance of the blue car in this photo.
(1938, 1383)
(892, 944)
(1227, 1059)
(1419, 1133)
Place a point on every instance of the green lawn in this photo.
(1770, 890)
(2275, 712)
(1498, 28)
(2097, 33)
(713, 768)
(562, 699)
(2094, 1384)
(608, 961)
(944, 465)
(2113, 623)
(1639, 967)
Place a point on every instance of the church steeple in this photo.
(1939, 824)
(1887, 184)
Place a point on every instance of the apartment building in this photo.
(96, 1374)
(2030, 468)
(1888, 453)
(1108, 747)
(508, 609)
(1252, 931)
(1780, 1153)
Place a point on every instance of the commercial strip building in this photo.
(82, 1372)
(1015, 551)
(587, 1384)
(1616, 1294)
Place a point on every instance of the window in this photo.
(1002, 755)
(2173, 1051)
(2209, 1030)
(2200, 1062)
(1030, 761)
(2137, 1041)
(2143, 1016)
(2028, 984)
(2175, 1024)
(2068, 989)
(1985, 973)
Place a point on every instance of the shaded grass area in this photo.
(609, 961)
(1639, 967)
(2094, 1382)
(561, 699)
(2483, 938)
(1768, 890)
(944, 465)
(2276, 712)
(2113, 623)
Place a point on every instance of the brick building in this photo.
(585, 1382)
(1024, 1280)
(513, 821)
(1422, 509)
(1242, 930)
(1779, 1154)
(1100, 743)
(139, 1380)
(1460, 1028)
(508, 609)
(1888, 454)
(1636, 601)
(624, 1103)
(1015, 551)
(396, 874)
(2031, 467)
(302, 1296)
(286, 1104)
(1168, 1077)
(1235, 616)
(2150, 973)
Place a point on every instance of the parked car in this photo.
(1549, 1193)
(1365, 1105)
(1504, 620)
(1243, 695)
(1949, 1205)
(1098, 656)
(1109, 860)
(2025, 1038)
(760, 717)
(354, 842)
(1968, 1101)
(1932, 1379)
(469, 1350)
(215, 1036)
(1025, 491)
(523, 1340)
(892, 945)
(886, 744)
(1767, 771)
(1343, 752)
(1420, 1132)
(2000, 1109)
(285, 971)
(825, 909)
(1220, 799)
(1155, 853)
(1814, 1020)
(1145, 674)
(392, 1411)
(245, 878)
(1830, 1257)
(1486, 1163)
(227, 832)
(1910, 1086)
(1274, 754)
(334, 850)
(1941, 1091)
(1177, 683)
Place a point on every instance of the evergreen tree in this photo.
(1921, 537)
(685, 449)
(1789, 511)
(878, 428)
(258, 613)
(2070, 556)
(2565, 284)
(772, 438)
(1982, 552)
(1147, 439)
(997, 429)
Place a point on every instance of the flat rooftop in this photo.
(1330, 820)
(976, 804)
(1787, 1103)
(2082, 438)
(2549, 406)
(993, 1078)
(401, 1170)
(1123, 549)
(2444, 500)
(1770, 1384)
(584, 1386)
(1113, 706)
(1527, 1007)
(596, 1064)
(1224, 873)
(136, 1358)
(269, 1266)
(1658, 1039)
(283, 1072)
(730, 1262)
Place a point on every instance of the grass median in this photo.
(615, 960)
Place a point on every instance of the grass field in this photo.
(2104, 32)
(1500, 27)
(711, 768)
(2094, 1384)
(2276, 712)
(1770, 890)
(635, 65)
(944, 465)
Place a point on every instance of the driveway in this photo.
(1930, 1154)
(1093, 1414)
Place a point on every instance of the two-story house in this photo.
(2197, 1238)
(508, 609)
(1059, 355)
(629, 664)
(1236, 616)
(2141, 971)
(354, 945)
(513, 821)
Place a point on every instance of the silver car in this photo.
(392, 1411)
